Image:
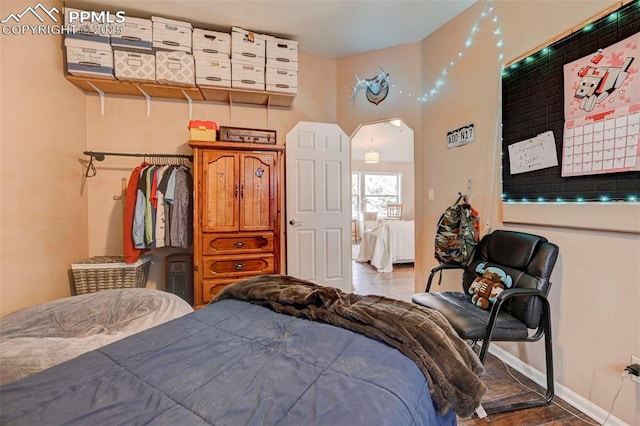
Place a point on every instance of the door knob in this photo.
(294, 222)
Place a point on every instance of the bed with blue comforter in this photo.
(272, 350)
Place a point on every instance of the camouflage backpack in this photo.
(457, 233)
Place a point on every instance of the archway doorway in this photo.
(383, 178)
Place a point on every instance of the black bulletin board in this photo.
(532, 103)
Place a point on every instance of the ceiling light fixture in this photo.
(396, 122)
(372, 156)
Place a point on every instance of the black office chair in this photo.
(529, 260)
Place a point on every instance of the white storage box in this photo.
(89, 58)
(282, 53)
(281, 80)
(247, 46)
(135, 33)
(246, 75)
(87, 31)
(206, 56)
(169, 34)
(211, 43)
(175, 68)
(134, 66)
(213, 73)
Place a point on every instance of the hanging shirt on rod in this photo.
(160, 213)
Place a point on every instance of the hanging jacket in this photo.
(131, 253)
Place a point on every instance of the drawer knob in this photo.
(239, 244)
(238, 266)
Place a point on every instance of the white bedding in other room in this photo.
(392, 241)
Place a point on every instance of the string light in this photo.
(579, 199)
(441, 80)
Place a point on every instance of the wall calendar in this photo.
(602, 111)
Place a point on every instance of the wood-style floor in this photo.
(500, 380)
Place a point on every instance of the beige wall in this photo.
(44, 209)
(595, 330)
(403, 65)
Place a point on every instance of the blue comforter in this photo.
(232, 363)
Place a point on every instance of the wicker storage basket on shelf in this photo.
(109, 272)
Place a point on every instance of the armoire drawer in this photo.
(217, 244)
(237, 266)
(211, 288)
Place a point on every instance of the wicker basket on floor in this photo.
(109, 272)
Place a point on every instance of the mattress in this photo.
(42, 336)
(231, 363)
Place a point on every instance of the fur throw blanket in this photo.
(450, 366)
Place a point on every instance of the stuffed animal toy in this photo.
(486, 288)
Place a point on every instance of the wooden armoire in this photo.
(237, 201)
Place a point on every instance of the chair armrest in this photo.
(508, 294)
(514, 292)
(440, 267)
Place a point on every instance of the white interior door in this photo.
(318, 204)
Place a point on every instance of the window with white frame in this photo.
(372, 191)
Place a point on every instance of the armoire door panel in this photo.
(221, 190)
(256, 191)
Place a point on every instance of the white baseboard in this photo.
(567, 395)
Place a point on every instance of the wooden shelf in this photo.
(217, 94)
(236, 145)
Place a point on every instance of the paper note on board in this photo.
(533, 154)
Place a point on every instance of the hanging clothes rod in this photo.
(99, 156)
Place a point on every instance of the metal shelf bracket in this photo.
(190, 101)
(101, 93)
(148, 98)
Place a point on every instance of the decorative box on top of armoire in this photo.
(237, 199)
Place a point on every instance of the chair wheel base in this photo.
(495, 407)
